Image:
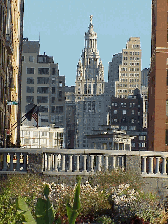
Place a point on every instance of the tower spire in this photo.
(91, 17)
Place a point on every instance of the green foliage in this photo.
(105, 220)
(73, 212)
(24, 210)
(44, 212)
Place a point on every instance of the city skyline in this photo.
(62, 32)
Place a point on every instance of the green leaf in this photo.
(77, 204)
(46, 191)
(72, 214)
(25, 211)
(44, 212)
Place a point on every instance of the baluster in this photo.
(114, 161)
(143, 164)
(63, 163)
(48, 162)
(106, 162)
(92, 163)
(4, 161)
(24, 161)
(70, 163)
(164, 166)
(99, 162)
(84, 163)
(150, 165)
(11, 161)
(18, 161)
(157, 165)
(77, 163)
(56, 162)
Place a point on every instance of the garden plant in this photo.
(113, 197)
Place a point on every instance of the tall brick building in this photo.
(158, 79)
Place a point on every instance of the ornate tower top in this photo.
(91, 17)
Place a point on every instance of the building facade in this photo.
(113, 72)
(130, 69)
(42, 85)
(70, 110)
(144, 77)
(11, 35)
(127, 113)
(158, 79)
(42, 137)
(89, 90)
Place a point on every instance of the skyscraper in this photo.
(130, 69)
(89, 90)
(158, 79)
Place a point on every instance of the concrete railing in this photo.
(81, 162)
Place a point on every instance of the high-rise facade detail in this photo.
(113, 72)
(42, 85)
(158, 79)
(89, 89)
(11, 34)
(130, 69)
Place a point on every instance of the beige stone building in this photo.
(42, 85)
(11, 34)
(130, 69)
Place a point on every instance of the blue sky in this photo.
(63, 23)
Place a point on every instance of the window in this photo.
(42, 99)
(44, 118)
(132, 111)
(124, 111)
(53, 99)
(30, 80)
(53, 71)
(53, 90)
(35, 134)
(42, 89)
(132, 128)
(29, 89)
(132, 120)
(42, 80)
(115, 111)
(43, 109)
(53, 81)
(22, 58)
(30, 71)
(123, 127)
(142, 137)
(31, 58)
(43, 71)
(60, 94)
(59, 109)
(133, 144)
(52, 109)
(29, 99)
(60, 84)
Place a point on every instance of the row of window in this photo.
(143, 145)
(43, 80)
(124, 120)
(42, 90)
(41, 71)
(131, 53)
(130, 69)
(130, 74)
(131, 58)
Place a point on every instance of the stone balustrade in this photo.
(81, 162)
